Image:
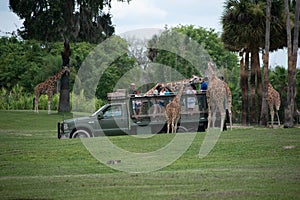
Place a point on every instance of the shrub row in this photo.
(17, 99)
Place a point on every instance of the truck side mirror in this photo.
(100, 116)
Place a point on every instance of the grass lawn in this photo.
(254, 163)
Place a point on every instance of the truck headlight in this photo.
(66, 127)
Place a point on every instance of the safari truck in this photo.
(118, 117)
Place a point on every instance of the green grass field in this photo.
(254, 163)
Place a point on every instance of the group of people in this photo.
(159, 104)
(191, 91)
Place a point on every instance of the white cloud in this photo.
(11, 22)
(137, 10)
(158, 13)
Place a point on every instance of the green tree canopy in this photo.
(244, 24)
(29, 62)
(76, 20)
(212, 49)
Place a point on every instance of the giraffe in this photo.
(273, 99)
(173, 111)
(173, 85)
(216, 95)
(47, 87)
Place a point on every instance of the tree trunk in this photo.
(247, 60)
(64, 98)
(259, 88)
(264, 108)
(71, 28)
(254, 78)
(244, 87)
(292, 62)
(252, 91)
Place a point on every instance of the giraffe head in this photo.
(269, 85)
(66, 69)
(196, 79)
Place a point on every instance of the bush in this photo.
(81, 104)
(17, 99)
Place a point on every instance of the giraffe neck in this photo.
(270, 86)
(178, 96)
(58, 75)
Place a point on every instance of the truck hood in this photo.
(78, 119)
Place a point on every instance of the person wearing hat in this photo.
(131, 90)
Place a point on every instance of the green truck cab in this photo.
(118, 118)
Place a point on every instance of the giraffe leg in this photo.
(278, 118)
(272, 117)
(173, 125)
(213, 117)
(36, 106)
(176, 122)
(223, 115)
(230, 118)
(49, 103)
(208, 119)
(168, 124)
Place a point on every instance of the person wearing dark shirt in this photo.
(204, 85)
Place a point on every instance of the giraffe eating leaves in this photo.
(47, 87)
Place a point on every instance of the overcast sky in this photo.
(158, 13)
(140, 14)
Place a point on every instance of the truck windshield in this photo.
(96, 113)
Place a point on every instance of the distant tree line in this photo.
(25, 63)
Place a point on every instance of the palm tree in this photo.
(244, 28)
(292, 62)
(264, 108)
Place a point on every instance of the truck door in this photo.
(114, 120)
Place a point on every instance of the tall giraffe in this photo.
(173, 111)
(216, 97)
(47, 87)
(273, 99)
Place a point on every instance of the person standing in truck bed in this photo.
(131, 90)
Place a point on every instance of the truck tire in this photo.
(201, 128)
(181, 129)
(81, 133)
